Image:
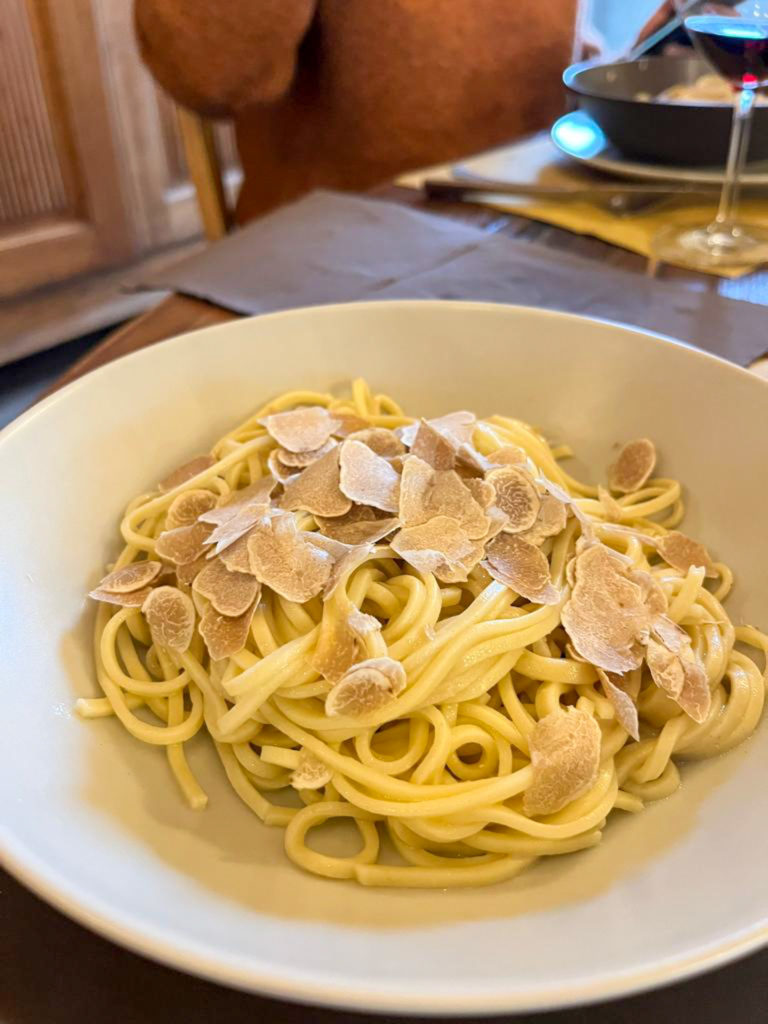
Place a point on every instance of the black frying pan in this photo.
(669, 133)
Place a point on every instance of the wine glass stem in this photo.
(737, 155)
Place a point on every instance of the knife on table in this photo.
(619, 196)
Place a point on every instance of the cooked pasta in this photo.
(426, 629)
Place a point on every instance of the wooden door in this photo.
(92, 170)
(62, 207)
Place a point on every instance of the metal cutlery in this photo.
(620, 197)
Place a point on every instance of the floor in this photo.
(21, 382)
(40, 319)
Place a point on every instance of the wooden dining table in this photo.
(57, 972)
(178, 314)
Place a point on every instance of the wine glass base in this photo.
(708, 248)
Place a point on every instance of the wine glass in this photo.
(732, 36)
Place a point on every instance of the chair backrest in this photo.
(205, 171)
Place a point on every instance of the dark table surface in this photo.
(53, 970)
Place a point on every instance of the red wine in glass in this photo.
(732, 35)
(736, 47)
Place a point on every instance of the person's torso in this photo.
(383, 85)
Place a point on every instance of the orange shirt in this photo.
(347, 93)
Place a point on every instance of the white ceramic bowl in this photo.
(91, 820)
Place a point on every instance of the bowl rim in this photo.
(331, 308)
(43, 878)
(572, 81)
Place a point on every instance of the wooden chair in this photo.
(205, 171)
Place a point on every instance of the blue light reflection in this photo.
(730, 28)
(579, 135)
(742, 32)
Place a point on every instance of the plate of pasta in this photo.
(403, 656)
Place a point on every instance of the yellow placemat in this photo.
(633, 231)
(536, 160)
